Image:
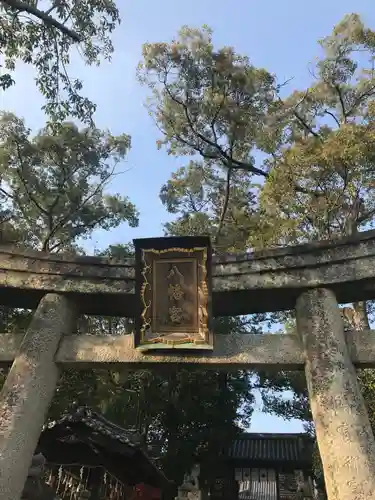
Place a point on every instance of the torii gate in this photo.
(311, 278)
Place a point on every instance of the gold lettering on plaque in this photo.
(175, 314)
(174, 296)
(177, 296)
(175, 292)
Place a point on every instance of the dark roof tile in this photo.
(272, 447)
(98, 423)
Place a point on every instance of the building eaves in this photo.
(272, 448)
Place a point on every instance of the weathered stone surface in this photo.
(230, 352)
(308, 275)
(344, 434)
(263, 281)
(28, 390)
(27, 275)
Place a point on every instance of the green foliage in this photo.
(313, 151)
(210, 103)
(54, 183)
(212, 201)
(323, 141)
(182, 414)
(325, 137)
(206, 101)
(179, 414)
(45, 39)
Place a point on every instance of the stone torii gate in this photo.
(311, 278)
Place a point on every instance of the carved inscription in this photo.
(174, 295)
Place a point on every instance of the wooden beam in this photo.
(231, 352)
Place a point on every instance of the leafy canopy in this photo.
(53, 184)
(303, 162)
(211, 201)
(45, 37)
(206, 101)
(209, 103)
(323, 139)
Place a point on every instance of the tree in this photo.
(213, 104)
(208, 103)
(312, 150)
(324, 140)
(209, 201)
(44, 38)
(181, 415)
(54, 188)
(53, 184)
(53, 194)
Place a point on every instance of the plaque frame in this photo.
(173, 293)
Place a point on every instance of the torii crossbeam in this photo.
(312, 279)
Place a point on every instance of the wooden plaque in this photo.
(173, 293)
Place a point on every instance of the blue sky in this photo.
(280, 36)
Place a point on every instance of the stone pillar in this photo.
(344, 435)
(28, 391)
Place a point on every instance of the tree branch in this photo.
(302, 121)
(225, 205)
(220, 152)
(227, 160)
(24, 183)
(75, 209)
(333, 116)
(7, 195)
(341, 99)
(43, 16)
(305, 125)
(358, 100)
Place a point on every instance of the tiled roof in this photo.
(103, 438)
(272, 448)
(97, 423)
